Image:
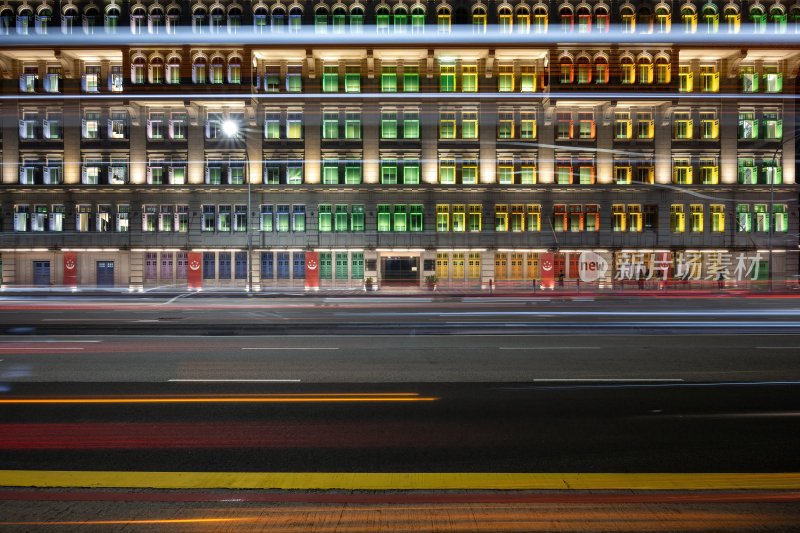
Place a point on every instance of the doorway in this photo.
(41, 273)
(105, 273)
(400, 270)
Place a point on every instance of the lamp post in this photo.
(231, 129)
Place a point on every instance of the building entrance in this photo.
(105, 273)
(400, 270)
(41, 273)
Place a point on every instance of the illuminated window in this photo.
(447, 171)
(563, 125)
(709, 78)
(528, 172)
(447, 125)
(501, 217)
(601, 70)
(443, 20)
(540, 19)
(527, 79)
(505, 125)
(517, 219)
(459, 218)
(584, 71)
(586, 172)
(778, 18)
(622, 125)
(294, 124)
(505, 171)
(563, 171)
(504, 20)
(534, 222)
(389, 172)
(773, 173)
(618, 218)
(442, 217)
(748, 173)
(382, 20)
(748, 125)
(761, 218)
(352, 125)
(352, 80)
(505, 78)
(389, 124)
(567, 71)
(696, 218)
(199, 70)
(474, 267)
(710, 18)
(527, 125)
(566, 19)
(709, 124)
(475, 217)
(559, 217)
(410, 124)
(644, 125)
(683, 125)
(635, 218)
(469, 172)
(400, 218)
(410, 79)
(689, 19)
(469, 124)
(685, 79)
(780, 217)
(357, 218)
(447, 78)
(330, 79)
(681, 171)
(602, 20)
(628, 71)
(330, 125)
(384, 217)
(592, 217)
(758, 19)
(416, 218)
(417, 20)
(709, 171)
(773, 80)
(469, 79)
(717, 218)
(663, 20)
(645, 71)
(628, 19)
(622, 172)
(586, 125)
(663, 70)
(733, 19)
(773, 126)
(575, 218)
(479, 20)
(389, 79)
(584, 20)
(523, 20)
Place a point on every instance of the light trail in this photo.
(277, 398)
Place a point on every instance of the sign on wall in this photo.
(312, 270)
(70, 269)
(195, 270)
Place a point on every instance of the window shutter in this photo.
(571, 127)
(23, 175)
(171, 129)
(208, 175)
(594, 129)
(84, 131)
(83, 82)
(22, 84)
(149, 129)
(149, 174)
(46, 175)
(208, 131)
(22, 129)
(170, 174)
(84, 175)
(592, 179)
(230, 176)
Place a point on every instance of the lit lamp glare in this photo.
(230, 128)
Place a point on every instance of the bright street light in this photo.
(230, 129)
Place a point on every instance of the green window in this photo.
(400, 218)
(748, 125)
(469, 79)
(283, 218)
(417, 20)
(411, 172)
(744, 220)
(352, 173)
(749, 79)
(748, 173)
(442, 218)
(389, 172)
(272, 126)
(505, 172)
(447, 171)
(325, 217)
(416, 217)
(294, 174)
(294, 79)
(341, 265)
(330, 79)
(352, 80)
(272, 175)
(411, 79)
(325, 268)
(773, 173)
(352, 125)
(469, 172)
(411, 125)
(357, 218)
(447, 125)
(357, 265)
(389, 124)
(780, 218)
(762, 218)
(773, 80)
(330, 172)
(447, 78)
(469, 125)
(384, 217)
(389, 79)
(773, 126)
(340, 219)
(330, 125)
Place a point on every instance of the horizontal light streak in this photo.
(278, 398)
(287, 348)
(132, 522)
(234, 380)
(492, 35)
(493, 96)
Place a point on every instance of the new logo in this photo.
(591, 266)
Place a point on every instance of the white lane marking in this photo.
(175, 298)
(79, 319)
(549, 347)
(606, 380)
(236, 380)
(52, 340)
(291, 348)
(777, 347)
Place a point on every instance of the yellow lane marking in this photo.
(398, 481)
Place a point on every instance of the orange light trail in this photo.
(276, 398)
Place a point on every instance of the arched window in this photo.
(321, 20)
(443, 17)
(217, 70)
(137, 70)
(601, 70)
(644, 20)
(217, 19)
(260, 19)
(382, 19)
(688, 19)
(199, 70)
(584, 20)
(644, 69)
(567, 71)
(234, 19)
(43, 20)
(278, 20)
(339, 19)
(417, 19)
(505, 20)
(24, 21)
(235, 70)
(295, 19)
(155, 21)
(400, 20)
(479, 20)
(627, 70)
(90, 19)
(663, 20)
(584, 70)
(357, 19)
(710, 18)
(759, 19)
(733, 19)
(199, 19)
(173, 19)
(566, 19)
(68, 20)
(540, 19)
(628, 19)
(138, 18)
(601, 19)
(156, 70)
(7, 21)
(794, 19)
(778, 18)
(112, 19)
(523, 20)
(663, 70)
(174, 70)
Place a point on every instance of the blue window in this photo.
(208, 265)
(283, 265)
(241, 265)
(266, 265)
(299, 265)
(224, 265)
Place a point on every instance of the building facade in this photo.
(396, 141)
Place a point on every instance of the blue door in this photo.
(41, 273)
(241, 265)
(283, 265)
(105, 273)
(224, 265)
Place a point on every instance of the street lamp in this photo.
(230, 129)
